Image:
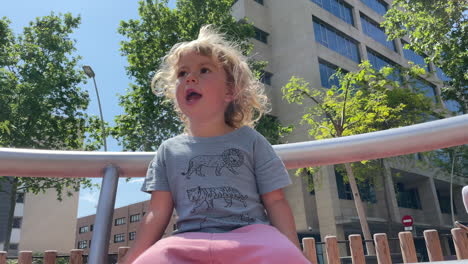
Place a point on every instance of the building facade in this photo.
(5, 206)
(312, 39)
(36, 215)
(124, 227)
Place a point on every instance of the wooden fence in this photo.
(408, 251)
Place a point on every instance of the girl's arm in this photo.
(153, 224)
(280, 214)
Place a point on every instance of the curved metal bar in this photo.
(393, 142)
(422, 137)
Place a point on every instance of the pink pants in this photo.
(250, 244)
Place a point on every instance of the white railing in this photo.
(110, 165)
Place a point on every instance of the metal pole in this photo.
(454, 156)
(104, 215)
(102, 118)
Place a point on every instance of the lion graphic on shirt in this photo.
(229, 159)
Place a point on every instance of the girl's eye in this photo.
(205, 70)
(181, 74)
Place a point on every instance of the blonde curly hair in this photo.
(249, 102)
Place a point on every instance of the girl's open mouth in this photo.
(192, 96)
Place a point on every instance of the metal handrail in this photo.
(387, 143)
(393, 142)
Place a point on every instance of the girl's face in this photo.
(202, 92)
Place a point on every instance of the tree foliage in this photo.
(149, 119)
(437, 30)
(365, 101)
(42, 104)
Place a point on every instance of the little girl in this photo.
(222, 177)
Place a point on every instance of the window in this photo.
(131, 235)
(261, 35)
(20, 197)
(326, 71)
(335, 40)
(134, 218)
(366, 189)
(337, 8)
(13, 246)
(378, 6)
(453, 106)
(373, 30)
(442, 75)
(378, 62)
(428, 89)
(82, 244)
(120, 221)
(310, 182)
(407, 197)
(83, 229)
(444, 202)
(17, 222)
(119, 238)
(265, 77)
(412, 56)
(91, 228)
(259, 1)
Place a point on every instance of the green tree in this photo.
(149, 119)
(437, 30)
(365, 101)
(42, 105)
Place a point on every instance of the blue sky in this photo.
(97, 41)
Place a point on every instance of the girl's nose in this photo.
(191, 78)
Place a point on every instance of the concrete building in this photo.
(311, 39)
(5, 206)
(124, 227)
(44, 212)
(40, 222)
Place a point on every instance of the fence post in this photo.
(25, 257)
(460, 242)
(333, 255)
(357, 251)
(434, 250)
(121, 253)
(309, 249)
(383, 251)
(50, 256)
(76, 256)
(408, 250)
(3, 256)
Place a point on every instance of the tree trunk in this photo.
(360, 210)
(11, 214)
(387, 205)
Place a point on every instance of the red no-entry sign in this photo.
(407, 220)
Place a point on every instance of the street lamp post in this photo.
(90, 73)
(105, 209)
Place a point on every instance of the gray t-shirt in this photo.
(216, 182)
